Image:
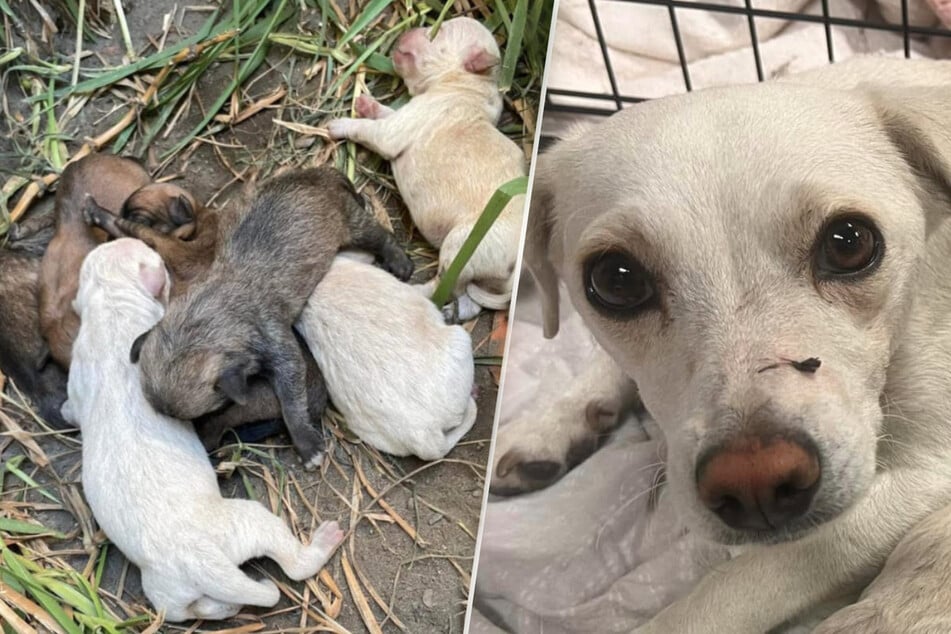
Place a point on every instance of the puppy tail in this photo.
(220, 579)
(487, 299)
(454, 435)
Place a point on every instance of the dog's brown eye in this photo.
(849, 245)
(617, 283)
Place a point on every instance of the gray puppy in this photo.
(235, 323)
(23, 352)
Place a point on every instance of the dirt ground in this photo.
(410, 551)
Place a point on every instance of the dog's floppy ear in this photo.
(233, 383)
(137, 346)
(918, 123)
(480, 60)
(537, 250)
(180, 210)
(155, 280)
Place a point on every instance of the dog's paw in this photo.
(314, 461)
(537, 449)
(340, 128)
(367, 107)
(327, 536)
(863, 617)
(461, 310)
(15, 232)
(399, 265)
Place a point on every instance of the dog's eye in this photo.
(617, 283)
(848, 245)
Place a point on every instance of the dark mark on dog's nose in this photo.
(759, 483)
(807, 366)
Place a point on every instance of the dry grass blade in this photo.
(359, 598)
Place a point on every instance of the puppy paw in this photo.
(460, 310)
(15, 232)
(340, 128)
(327, 536)
(313, 463)
(399, 265)
(367, 107)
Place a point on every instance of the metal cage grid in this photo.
(828, 21)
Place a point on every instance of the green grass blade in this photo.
(496, 204)
(513, 47)
(369, 14)
(280, 15)
(18, 527)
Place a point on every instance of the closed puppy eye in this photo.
(848, 246)
(617, 284)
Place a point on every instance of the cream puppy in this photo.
(147, 477)
(395, 370)
(448, 157)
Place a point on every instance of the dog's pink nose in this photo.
(758, 483)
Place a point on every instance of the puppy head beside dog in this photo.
(463, 49)
(711, 240)
(166, 208)
(114, 267)
(203, 380)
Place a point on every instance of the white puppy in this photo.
(448, 157)
(147, 478)
(397, 372)
(770, 264)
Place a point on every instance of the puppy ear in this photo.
(180, 210)
(137, 346)
(480, 60)
(155, 280)
(233, 383)
(537, 252)
(918, 123)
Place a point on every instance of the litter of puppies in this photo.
(177, 321)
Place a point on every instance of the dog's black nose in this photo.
(758, 483)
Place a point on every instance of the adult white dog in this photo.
(770, 264)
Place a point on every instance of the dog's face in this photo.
(748, 257)
(193, 366)
(125, 267)
(462, 48)
(165, 207)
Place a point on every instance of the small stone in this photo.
(435, 519)
(428, 598)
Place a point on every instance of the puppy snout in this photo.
(410, 39)
(759, 483)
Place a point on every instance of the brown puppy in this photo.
(22, 349)
(111, 180)
(236, 322)
(168, 219)
(165, 207)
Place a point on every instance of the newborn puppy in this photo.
(448, 157)
(165, 207)
(22, 350)
(235, 323)
(168, 519)
(110, 179)
(168, 219)
(405, 388)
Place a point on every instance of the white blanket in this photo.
(718, 46)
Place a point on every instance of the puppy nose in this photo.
(759, 483)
